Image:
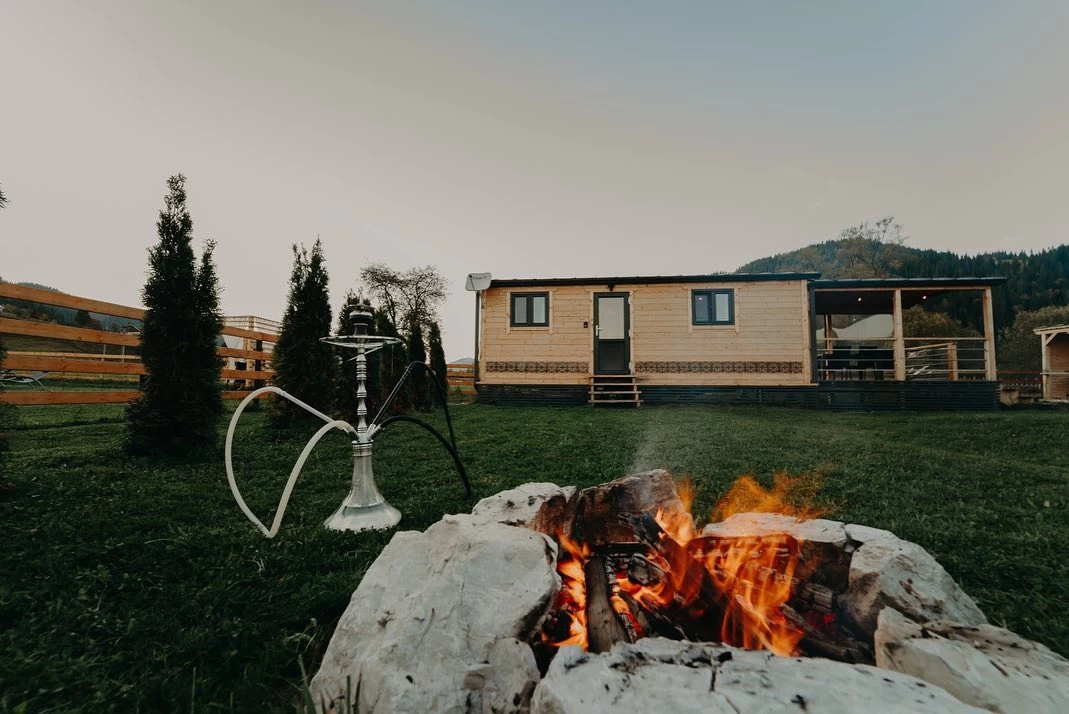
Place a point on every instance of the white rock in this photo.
(983, 665)
(817, 530)
(433, 624)
(864, 534)
(663, 675)
(890, 572)
(518, 506)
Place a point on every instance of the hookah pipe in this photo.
(364, 508)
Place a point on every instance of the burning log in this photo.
(603, 627)
(643, 571)
(831, 643)
(688, 585)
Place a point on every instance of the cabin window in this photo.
(530, 309)
(712, 307)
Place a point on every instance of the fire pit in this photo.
(546, 599)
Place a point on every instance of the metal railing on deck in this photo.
(926, 358)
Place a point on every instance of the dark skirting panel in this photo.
(530, 395)
(690, 394)
(835, 396)
(908, 396)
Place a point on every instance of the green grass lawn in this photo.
(135, 585)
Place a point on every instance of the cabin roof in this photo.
(1050, 329)
(653, 279)
(891, 283)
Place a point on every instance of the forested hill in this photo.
(1033, 280)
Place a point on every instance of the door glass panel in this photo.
(701, 308)
(611, 318)
(723, 312)
(538, 309)
(519, 310)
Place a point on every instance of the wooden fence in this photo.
(100, 365)
(461, 376)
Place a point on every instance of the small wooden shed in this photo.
(1054, 343)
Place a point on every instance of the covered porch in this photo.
(860, 340)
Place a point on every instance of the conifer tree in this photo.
(181, 401)
(437, 357)
(304, 366)
(417, 352)
(390, 363)
(345, 396)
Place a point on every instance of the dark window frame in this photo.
(711, 294)
(529, 298)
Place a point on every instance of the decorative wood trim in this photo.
(731, 367)
(537, 366)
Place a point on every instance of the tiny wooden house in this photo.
(723, 338)
(1054, 346)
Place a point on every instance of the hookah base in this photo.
(375, 517)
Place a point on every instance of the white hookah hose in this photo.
(330, 424)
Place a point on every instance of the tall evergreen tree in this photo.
(390, 363)
(181, 402)
(304, 366)
(345, 395)
(417, 352)
(437, 357)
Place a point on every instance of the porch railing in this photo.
(926, 359)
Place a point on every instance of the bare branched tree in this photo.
(873, 251)
(409, 297)
(384, 285)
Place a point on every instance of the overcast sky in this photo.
(533, 139)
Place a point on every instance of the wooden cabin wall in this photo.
(565, 344)
(767, 345)
(1058, 386)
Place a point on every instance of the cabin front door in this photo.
(612, 333)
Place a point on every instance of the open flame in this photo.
(753, 576)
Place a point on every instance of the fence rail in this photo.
(461, 376)
(244, 365)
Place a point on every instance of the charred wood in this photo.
(603, 626)
(692, 591)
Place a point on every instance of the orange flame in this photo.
(572, 595)
(754, 576)
(789, 496)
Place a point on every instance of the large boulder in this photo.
(886, 571)
(983, 665)
(441, 620)
(868, 568)
(520, 505)
(664, 675)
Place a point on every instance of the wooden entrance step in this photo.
(619, 390)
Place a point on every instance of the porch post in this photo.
(989, 337)
(1044, 341)
(827, 333)
(899, 337)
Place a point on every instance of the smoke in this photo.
(647, 454)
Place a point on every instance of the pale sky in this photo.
(527, 139)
